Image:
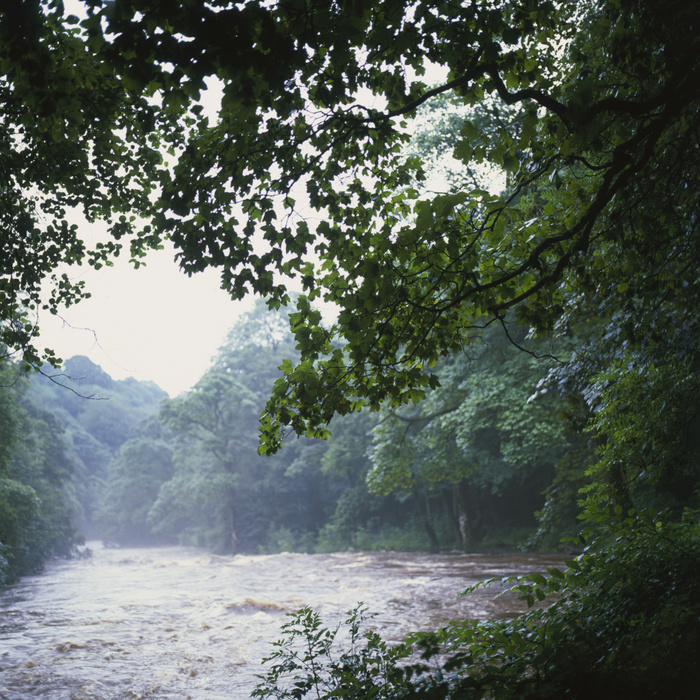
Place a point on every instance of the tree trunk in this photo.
(233, 525)
(427, 520)
(465, 530)
(234, 534)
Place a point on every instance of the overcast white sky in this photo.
(154, 323)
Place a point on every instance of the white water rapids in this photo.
(176, 623)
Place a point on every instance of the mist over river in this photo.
(178, 622)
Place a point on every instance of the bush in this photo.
(344, 662)
(624, 623)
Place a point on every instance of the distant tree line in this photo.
(489, 460)
(58, 438)
(84, 455)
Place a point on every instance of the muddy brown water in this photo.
(176, 623)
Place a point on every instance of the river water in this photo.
(176, 623)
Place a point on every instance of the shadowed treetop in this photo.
(592, 117)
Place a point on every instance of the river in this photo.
(176, 623)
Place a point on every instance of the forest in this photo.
(497, 198)
(125, 464)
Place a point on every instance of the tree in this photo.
(602, 157)
(135, 476)
(607, 120)
(356, 518)
(38, 503)
(75, 141)
(484, 440)
(217, 424)
(587, 110)
(223, 493)
(98, 414)
(607, 98)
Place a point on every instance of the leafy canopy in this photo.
(304, 175)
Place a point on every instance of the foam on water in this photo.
(175, 622)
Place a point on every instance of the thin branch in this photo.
(54, 378)
(537, 356)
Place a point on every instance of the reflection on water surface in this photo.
(180, 623)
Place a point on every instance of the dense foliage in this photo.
(98, 415)
(592, 117)
(138, 468)
(483, 436)
(192, 474)
(38, 503)
(74, 142)
(55, 447)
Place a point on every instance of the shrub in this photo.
(345, 662)
(621, 621)
(625, 622)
